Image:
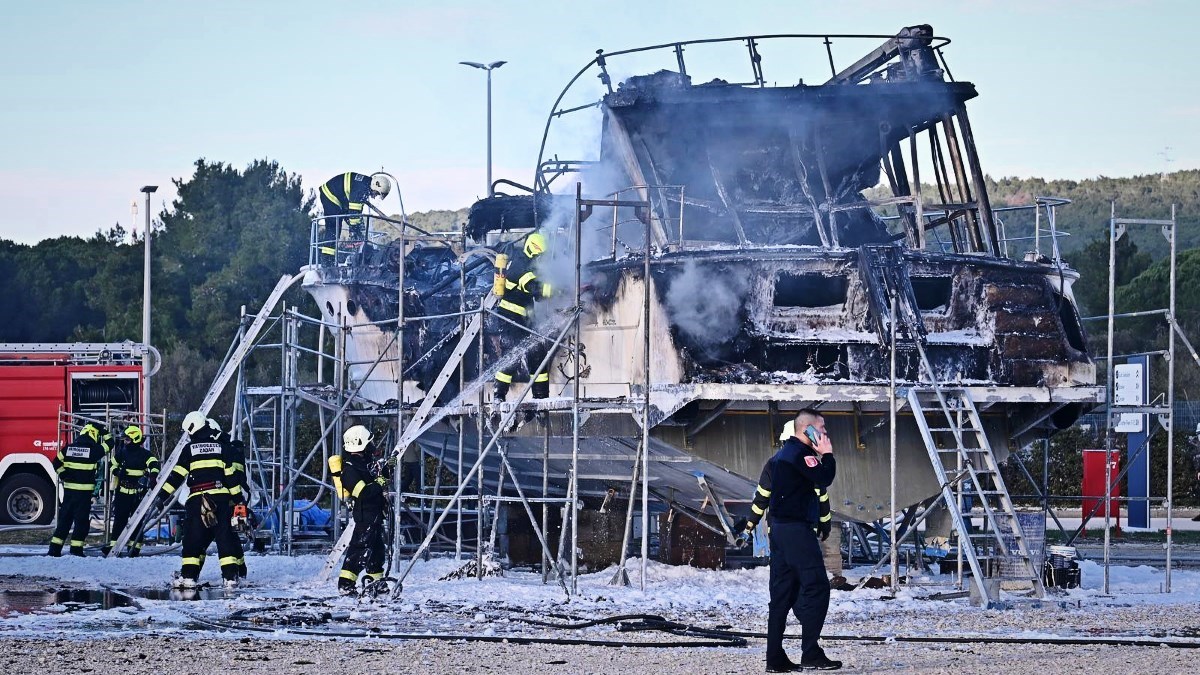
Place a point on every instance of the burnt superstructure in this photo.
(754, 248)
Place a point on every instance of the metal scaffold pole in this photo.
(645, 408)
(895, 561)
(1170, 232)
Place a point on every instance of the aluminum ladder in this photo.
(228, 370)
(966, 468)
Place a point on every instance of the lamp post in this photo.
(488, 68)
(148, 190)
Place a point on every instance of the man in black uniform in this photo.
(522, 288)
(798, 582)
(211, 496)
(77, 466)
(364, 480)
(134, 470)
(342, 200)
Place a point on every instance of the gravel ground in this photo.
(247, 656)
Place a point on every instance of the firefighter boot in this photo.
(541, 389)
(105, 550)
(55, 550)
(499, 392)
(77, 549)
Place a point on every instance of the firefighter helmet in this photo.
(91, 430)
(194, 421)
(356, 438)
(535, 244)
(380, 186)
(133, 433)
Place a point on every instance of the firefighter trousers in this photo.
(366, 550)
(798, 584)
(510, 337)
(124, 504)
(74, 515)
(197, 536)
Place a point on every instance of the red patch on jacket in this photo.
(812, 461)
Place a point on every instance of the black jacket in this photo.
(133, 466)
(78, 463)
(347, 192)
(797, 471)
(359, 474)
(203, 464)
(522, 287)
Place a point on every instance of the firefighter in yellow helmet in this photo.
(134, 470)
(523, 287)
(77, 466)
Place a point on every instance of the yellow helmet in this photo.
(133, 433)
(91, 431)
(535, 244)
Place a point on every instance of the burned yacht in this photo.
(748, 249)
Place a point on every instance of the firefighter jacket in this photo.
(762, 499)
(522, 287)
(348, 192)
(235, 458)
(134, 468)
(796, 473)
(361, 476)
(202, 463)
(78, 464)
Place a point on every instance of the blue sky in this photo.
(100, 98)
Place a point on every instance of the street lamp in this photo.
(148, 190)
(489, 68)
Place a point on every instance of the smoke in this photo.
(706, 306)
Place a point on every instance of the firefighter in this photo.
(342, 199)
(364, 479)
(798, 582)
(235, 468)
(212, 494)
(522, 288)
(77, 466)
(134, 470)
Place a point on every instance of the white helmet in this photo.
(380, 186)
(356, 438)
(194, 422)
(212, 424)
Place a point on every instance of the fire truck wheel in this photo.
(26, 499)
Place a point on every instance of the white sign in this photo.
(1129, 389)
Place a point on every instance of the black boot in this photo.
(499, 392)
(55, 551)
(541, 389)
(77, 551)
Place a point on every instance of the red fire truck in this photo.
(41, 383)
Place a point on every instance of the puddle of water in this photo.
(178, 593)
(26, 602)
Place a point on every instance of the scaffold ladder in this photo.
(228, 370)
(962, 459)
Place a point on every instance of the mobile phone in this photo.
(812, 433)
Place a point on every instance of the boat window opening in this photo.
(809, 290)
(932, 293)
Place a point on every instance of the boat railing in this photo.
(902, 49)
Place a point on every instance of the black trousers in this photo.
(366, 548)
(124, 504)
(510, 337)
(74, 515)
(334, 217)
(197, 537)
(799, 585)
